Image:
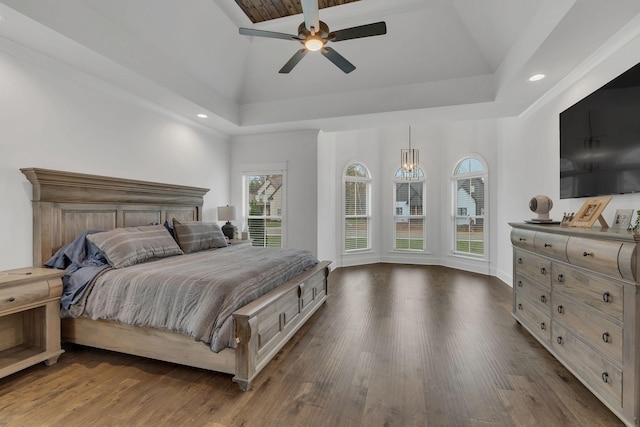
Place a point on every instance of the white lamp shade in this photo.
(227, 213)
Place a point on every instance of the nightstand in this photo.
(29, 318)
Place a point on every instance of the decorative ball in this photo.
(540, 204)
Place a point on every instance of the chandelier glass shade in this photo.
(409, 160)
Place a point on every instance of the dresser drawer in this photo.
(599, 293)
(551, 245)
(585, 321)
(522, 238)
(596, 255)
(538, 322)
(533, 267)
(595, 369)
(19, 295)
(538, 295)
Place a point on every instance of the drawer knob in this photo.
(519, 260)
(522, 239)
(519, 283)
(605, 377)
(543, 298)
(605, 337)
(543, 271)
(559, 340)
(547, 245)
(587, 254)
(560, 309)
(12, 299)
(519, 306)
(543, 326)
(606, 297)
(560, 278)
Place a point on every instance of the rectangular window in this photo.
(356, 215)
(264, 207)
(409, 218)
(470, 199)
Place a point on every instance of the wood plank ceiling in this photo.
(265, 10)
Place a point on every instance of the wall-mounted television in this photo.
(600, 140)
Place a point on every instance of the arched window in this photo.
(470, 203)
(408, 217)
(357, 208)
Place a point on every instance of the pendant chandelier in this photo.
(409, 158)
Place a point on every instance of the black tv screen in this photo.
(600, 140)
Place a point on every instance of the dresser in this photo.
(575, 290)
(29, 318)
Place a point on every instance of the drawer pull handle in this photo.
(519, 306)
(543, 271)
(522, 239)
(605, 377)
(587, 254)
(543, 298)
(543, 326)
(560, 278)
(519, 283)
(559, 340)
(519, 260)
(547, 245)
(605, 337)
(606, 297)
(560, 309)
(12, 299)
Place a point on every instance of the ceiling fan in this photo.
(314, 36)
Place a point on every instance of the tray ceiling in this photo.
(266, 10)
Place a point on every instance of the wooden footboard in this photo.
(264, 326)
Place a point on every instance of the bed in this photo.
(66, 204)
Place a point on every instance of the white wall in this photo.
(528, 159)
(299, 150)
(51, 120)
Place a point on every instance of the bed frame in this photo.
(65, 204)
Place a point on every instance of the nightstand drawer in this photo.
(19, 295)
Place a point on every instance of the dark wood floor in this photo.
(395, 345)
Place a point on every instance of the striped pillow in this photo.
(194, 236)
(134, 245)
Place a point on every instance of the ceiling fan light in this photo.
(314, 44)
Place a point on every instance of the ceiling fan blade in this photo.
(269, 34)
(339, 60)
(297, 57)
(311, 14)
(375, 29)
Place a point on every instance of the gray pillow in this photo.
(134, 245)
(194, 236)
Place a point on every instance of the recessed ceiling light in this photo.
(202, 116)
(536, 77)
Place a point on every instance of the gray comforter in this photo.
(192, 294)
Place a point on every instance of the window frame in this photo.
(397, 179)
(368, 181)
(264, 171)
(455, 178)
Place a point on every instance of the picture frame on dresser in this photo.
(590, 212)
(622, 219)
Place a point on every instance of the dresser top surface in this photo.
(593, 232)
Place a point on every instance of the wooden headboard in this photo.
(66, 204)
